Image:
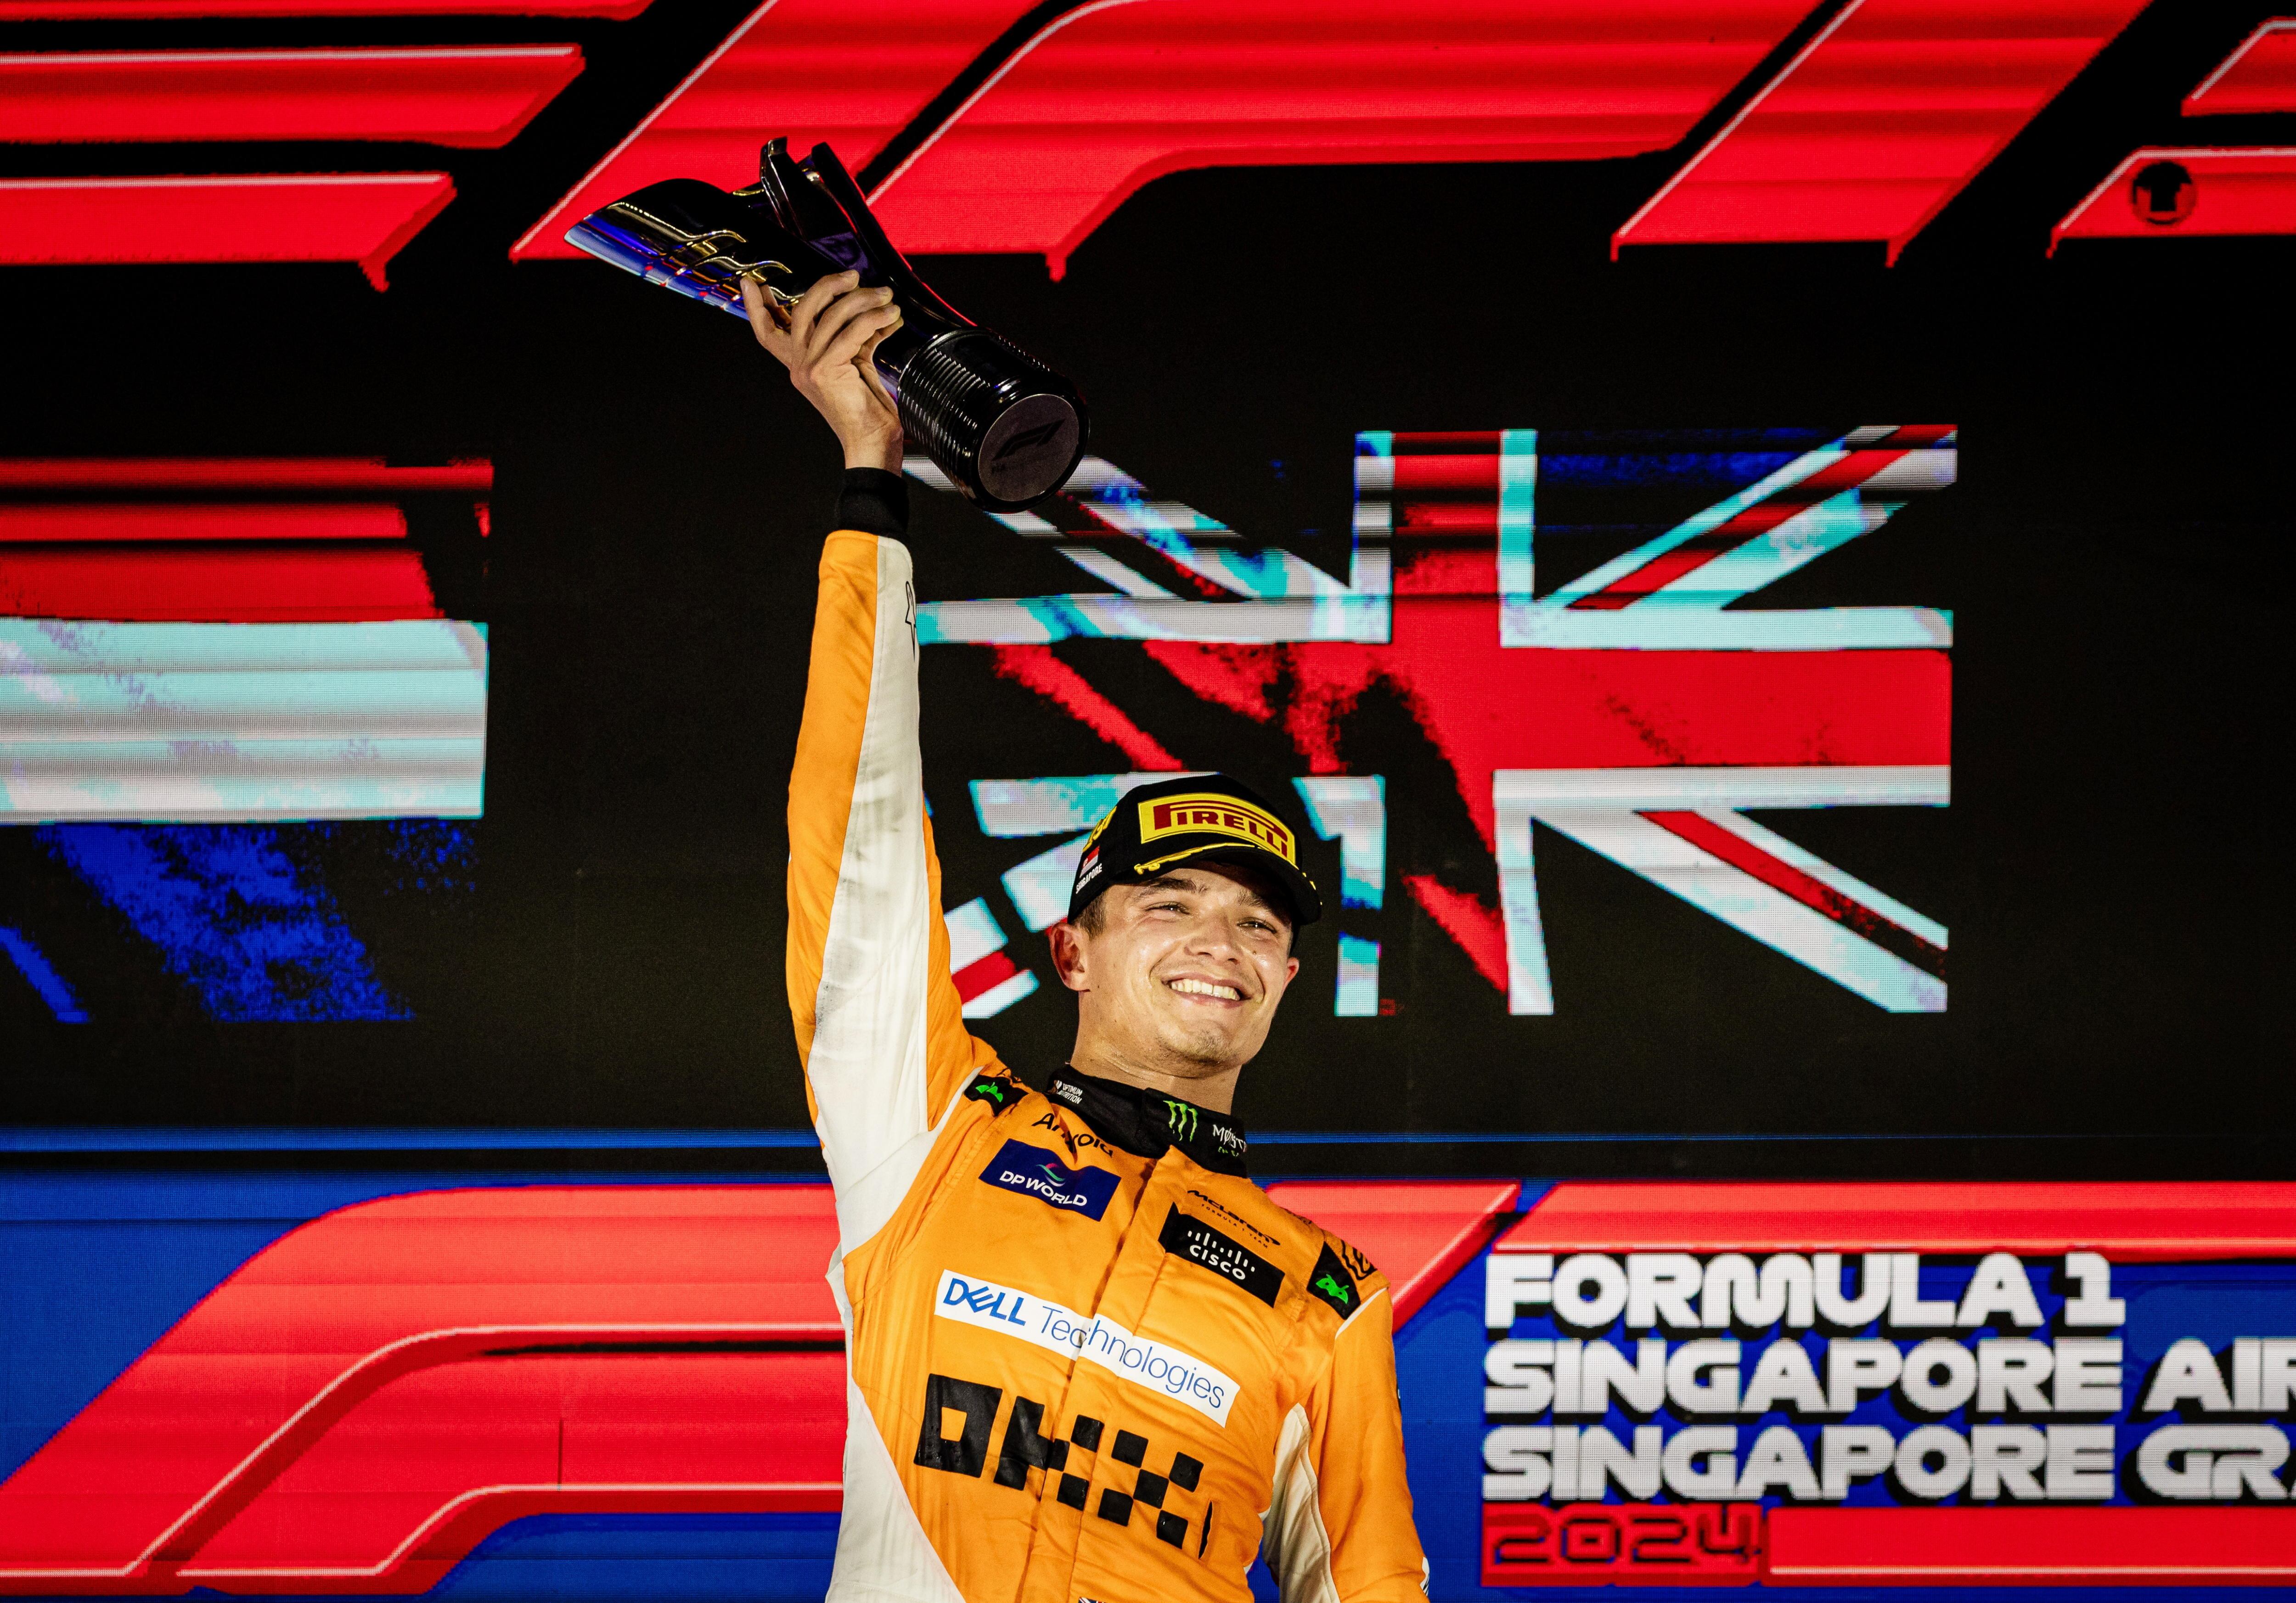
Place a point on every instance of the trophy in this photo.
(1006, 430)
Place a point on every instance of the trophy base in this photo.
(1004, 427)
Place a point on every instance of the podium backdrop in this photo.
(1749, 537)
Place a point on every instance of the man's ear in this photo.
(1066, 944)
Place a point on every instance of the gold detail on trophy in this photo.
(709, 258)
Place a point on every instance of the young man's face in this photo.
(1183, 973)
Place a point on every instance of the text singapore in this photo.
(1737, 1337)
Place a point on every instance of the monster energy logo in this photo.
(1180, 1118)
(1332, 1288)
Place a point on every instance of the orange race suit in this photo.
(1088, 1361)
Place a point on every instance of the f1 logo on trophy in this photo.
(1006, 430)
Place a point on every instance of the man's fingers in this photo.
(864, 329)
(875, 381)
(824, 293)
(762, 322)
(839, 315)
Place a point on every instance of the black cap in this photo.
(1192, 819)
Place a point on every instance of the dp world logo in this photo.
(1034, 1171)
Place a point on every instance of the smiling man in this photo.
(1090, 1361)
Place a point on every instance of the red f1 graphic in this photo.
(1867, 133)
(364, 1401)
(1871, 129)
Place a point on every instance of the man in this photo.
(1089, 1360)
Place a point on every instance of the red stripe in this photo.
(361, 217)
(1486, 706)
(2025, 1547)
(1037, 668)
(1426, 568)
(250, 585)
(469, 1519)
(254, 1474)
(1420, 1232)
(476, 97)
(984, 974)
(1452, 517)
(1759, 519)
(111, 11)
(2147, 1221)
(1814, 894)
(1879, 123)
(2234, 192)
(194, 1411)
(1474, 473)
(2260, 75)
(1466, 919)
(813, 71)
(78, 522)
(309, 473)
(1110, 98)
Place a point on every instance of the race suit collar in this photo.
(1147, 1124)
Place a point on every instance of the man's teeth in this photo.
(1200, 987)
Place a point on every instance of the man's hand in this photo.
(833, 332)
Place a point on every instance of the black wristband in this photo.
(874, 502)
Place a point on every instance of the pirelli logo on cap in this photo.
(1212, 813)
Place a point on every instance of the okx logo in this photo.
(1027, 1447)
(1019, 1167)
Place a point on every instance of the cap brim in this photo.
(1307, 901)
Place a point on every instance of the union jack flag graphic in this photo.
(1578, 624)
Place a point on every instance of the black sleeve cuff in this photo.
(874, 502)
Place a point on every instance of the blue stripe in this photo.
(43, 978)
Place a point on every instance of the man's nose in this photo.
(1214, 937)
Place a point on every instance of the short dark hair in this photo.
(1091, 915)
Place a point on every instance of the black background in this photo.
(2113, 868)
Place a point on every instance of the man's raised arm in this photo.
(879, 1023)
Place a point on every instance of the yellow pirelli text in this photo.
(1215, 815)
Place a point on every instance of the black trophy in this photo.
(1006, 430)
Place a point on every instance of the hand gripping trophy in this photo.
(1006, 430)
